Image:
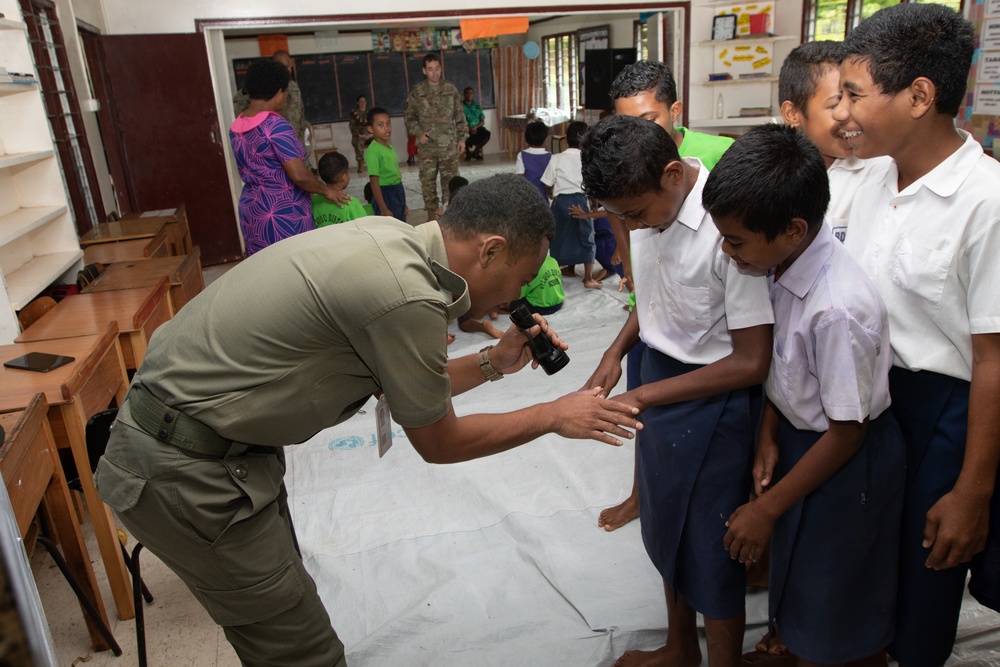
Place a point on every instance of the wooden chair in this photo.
(30, 313)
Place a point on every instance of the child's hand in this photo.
(749, 532)
(607, 374)
(616, 258)
(577, 211)
(764, 462)
(626, 283)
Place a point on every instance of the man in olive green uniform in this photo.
(435, 116)
(293, 111)
(283, 346)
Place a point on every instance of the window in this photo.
(560, 64)
(832, 19)
(640, 35)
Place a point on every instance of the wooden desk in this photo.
(135, 312)
(178, 231)
(106, 251)
(121, 230)
(74, 393)
(32, 473)
(183, 272)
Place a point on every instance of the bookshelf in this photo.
(38, 241)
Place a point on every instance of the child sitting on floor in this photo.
(334, 170)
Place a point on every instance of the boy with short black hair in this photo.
(532, 161)
(928, 234)
(388, 195)
(707, 330)
(335, 170)
(830, 461)
(647, 90)
(574, 242)
(809, 90)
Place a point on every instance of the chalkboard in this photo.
(353, 78)
(471, 69)
(332, 82)
(318, 76)
(388, 80)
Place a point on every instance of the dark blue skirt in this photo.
(693, 463)
(574, 241)
(835, 554)
(933, 414)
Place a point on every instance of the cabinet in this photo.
(757, 55)
(38, 241)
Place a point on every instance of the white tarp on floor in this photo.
(498, 561)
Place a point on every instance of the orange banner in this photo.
(268, 44)
(491, 27)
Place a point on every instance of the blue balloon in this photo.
(531, 50)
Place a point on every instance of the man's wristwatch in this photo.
(489, 372)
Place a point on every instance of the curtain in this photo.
(518, 91)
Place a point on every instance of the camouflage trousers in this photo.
(359, 148)
(435, 161)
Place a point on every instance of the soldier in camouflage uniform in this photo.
(435, 116)
(293, 111)
(360, 136)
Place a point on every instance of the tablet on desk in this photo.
(39, 361)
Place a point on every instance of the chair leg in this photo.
(140, 623)
(146, 595)
(87, 603)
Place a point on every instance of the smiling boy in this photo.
(928, 234)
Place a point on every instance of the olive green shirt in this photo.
(297, 337)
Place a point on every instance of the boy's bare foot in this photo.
(492, 330)
(591, 284)
(601, 275)
(664, 656)
(451, 338)
(615, 517)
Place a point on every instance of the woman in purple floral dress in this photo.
(275, 202)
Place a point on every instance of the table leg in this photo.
(74, 421)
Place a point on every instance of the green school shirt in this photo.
(382, 162)
(325, 212)
(547, 288)
(706, 147)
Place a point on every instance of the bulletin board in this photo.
(980, 112)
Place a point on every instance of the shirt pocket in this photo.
(786, 375)
(920, 271)
(690, 308)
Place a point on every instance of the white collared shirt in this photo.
(689, 294)
(831, 354)
(531, 150)
(846, 176)
(933, 251)
(564, 173)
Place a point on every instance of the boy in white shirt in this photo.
(830, 464)
(707, 330)
(928, 233)
(574, 242)
(809, 90)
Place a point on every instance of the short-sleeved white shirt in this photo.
(831, 354)
(531, 150)
(846, 176)
(933, 251)
(689, 294)
(564, 174)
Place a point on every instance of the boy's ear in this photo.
(673, 174)
(676, 110)
(790, 114)
(922, 93)
(797, 231)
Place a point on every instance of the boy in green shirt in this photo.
(333, 169)
(386, 180)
